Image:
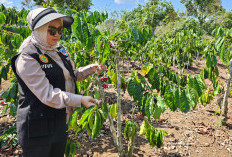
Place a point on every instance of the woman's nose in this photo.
(57, 34)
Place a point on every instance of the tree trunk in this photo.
(224, 109)
(119, 123)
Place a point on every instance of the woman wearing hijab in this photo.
(47, 91)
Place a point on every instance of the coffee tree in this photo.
(159, 83)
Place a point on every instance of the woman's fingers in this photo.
(98, 102)
(88, 101)
(91, 104)
(103, 67)
(92, 100)
(99, 67)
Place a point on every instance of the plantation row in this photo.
(161, 88)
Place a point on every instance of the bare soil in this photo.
(195, 134)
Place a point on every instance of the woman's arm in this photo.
(30, 72)
(83, 72)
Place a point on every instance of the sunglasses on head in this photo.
(52, 30)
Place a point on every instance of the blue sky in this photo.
(118, 5)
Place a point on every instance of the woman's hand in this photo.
(88, 101)
(98, 67)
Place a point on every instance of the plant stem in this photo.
(224, 109)
(119, 123)
(131, 144)
(112, 128)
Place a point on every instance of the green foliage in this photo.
(169, 97)
(201, 9)
(151, 14)
(2, 18)
(77, 5)
(135, 41)
(227, 20)
(135, 88)
(178, 92)
(97, 124)
(13, 31)
(82, 86)
(102, 49)
(113, 109)
(130, 130)
(154, 136)
(206, 97)
(176, 49)
(10, 96)
(92, 120)
(74, 117)
(70, 150)
(223, 44)
(108, 26)
(149, 107)
(9, 137)
(159, 108)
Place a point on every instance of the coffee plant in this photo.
(160, 81)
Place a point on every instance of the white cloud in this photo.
(125, 1)
(6, 2)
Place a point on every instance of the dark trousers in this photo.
(48, 150)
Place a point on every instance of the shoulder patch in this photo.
(43, 58)
(62, 50)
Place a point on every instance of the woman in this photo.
(46, 77)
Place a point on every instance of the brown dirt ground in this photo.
(194, 134)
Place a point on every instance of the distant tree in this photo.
(227, 20)
(115, 15)
(201, 9)
(27, 4)
(38, 2)
(153, 13)
(77, 5)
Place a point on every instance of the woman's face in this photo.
(54, 25)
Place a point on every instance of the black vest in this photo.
(38, 123)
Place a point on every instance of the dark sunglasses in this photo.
(52, 30)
